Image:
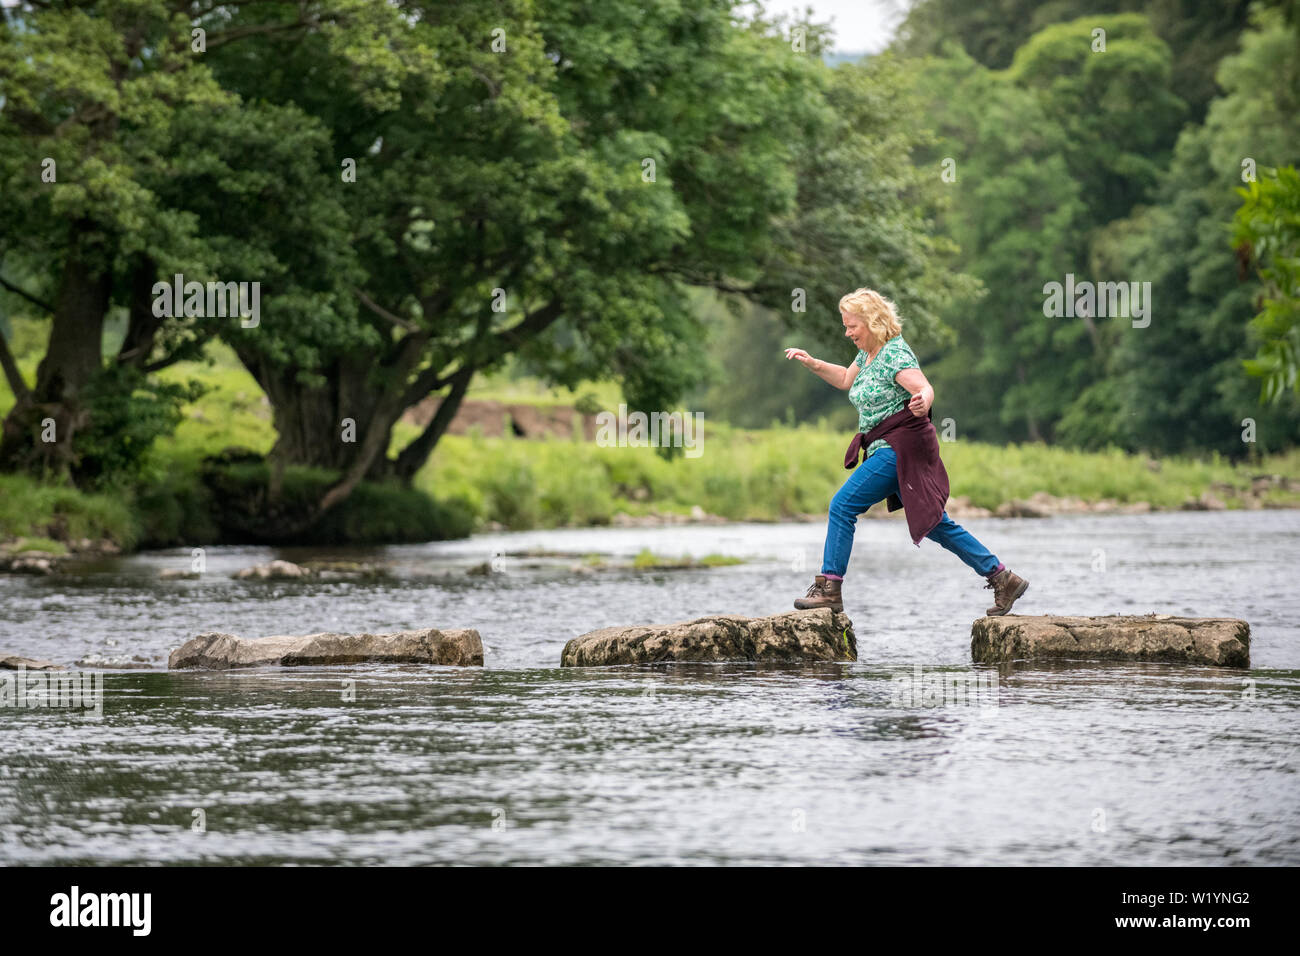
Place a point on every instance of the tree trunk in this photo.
(71, 360)
(372, 391)
(320, 426)
(343, 425)
(412, 458)
(142, 325)
(1031, 422)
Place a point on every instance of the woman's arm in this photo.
(914, 380)
(838, 375)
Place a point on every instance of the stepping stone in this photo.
(1222, 641)
(216, 651)
(792, 637)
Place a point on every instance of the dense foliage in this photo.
(661, 196)
(1072, 141)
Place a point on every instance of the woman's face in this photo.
(856, 331)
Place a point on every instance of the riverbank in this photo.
(783, 474)
(490, 484)
(477, 482)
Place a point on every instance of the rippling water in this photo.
(523, 762)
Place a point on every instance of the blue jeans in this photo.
(872, 481)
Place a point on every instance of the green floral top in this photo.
(875, 393)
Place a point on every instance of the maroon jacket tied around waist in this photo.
(922, 479)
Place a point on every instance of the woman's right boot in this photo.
(824, 592)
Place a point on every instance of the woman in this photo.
(893, 399)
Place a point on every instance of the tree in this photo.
(1180, 381)
(1043, 155)
(864, 215)
(483, 218)
(1117, 108)
(556, 196)
(1016, 215)
(123, 161)
(1267, 235)
(1199, 34)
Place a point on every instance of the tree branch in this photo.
(533, 324)
(416, 453)
(14, 377)
(26, 295)
(257, 30)
(431, 378)
(142, 325)
(383, 313)
(701, 281)
(189, 351)
(427, 381)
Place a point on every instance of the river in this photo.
(524, 762)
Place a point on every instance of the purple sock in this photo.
(996, 571)
(833, 577)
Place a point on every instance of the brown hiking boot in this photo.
(1007, 587)
(825, 592)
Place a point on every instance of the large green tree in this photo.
(551, 180)
(122, 162)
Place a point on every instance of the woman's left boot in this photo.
(825, 592)
(1007, 587)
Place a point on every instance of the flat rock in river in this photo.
(428, 646)
(1151, 637)
(274, 570)
(792, 637)
(12, 662)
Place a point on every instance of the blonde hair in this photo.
(877, 313)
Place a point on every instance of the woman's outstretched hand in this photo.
(921, 402)
(798, 354)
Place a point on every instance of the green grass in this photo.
(46, 545)
(989, 475)
(234, 412)
(648, 559)
(779, 472)
(31, 509)
(503, 388)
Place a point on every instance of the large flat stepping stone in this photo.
(793, 637)
(216, 651)
(12, 662)
(1223, 641)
